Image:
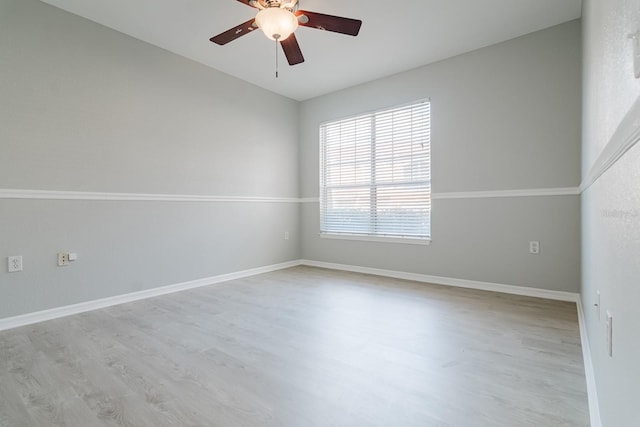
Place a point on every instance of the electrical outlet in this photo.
(14, 263)
(534, 247)
(63, 259)
(286, 235)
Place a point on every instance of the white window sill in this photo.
(384, 239)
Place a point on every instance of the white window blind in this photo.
(375, 174)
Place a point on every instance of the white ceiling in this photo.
(395, 35)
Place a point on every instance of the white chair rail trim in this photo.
(136, 197)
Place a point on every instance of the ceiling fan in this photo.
(279, 19)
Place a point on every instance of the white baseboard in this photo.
(594, 408)
(448, 281)
(55, 313)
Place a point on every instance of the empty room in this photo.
(320, 213)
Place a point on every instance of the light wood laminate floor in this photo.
(301, 347)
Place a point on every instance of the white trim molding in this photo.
(589, 373)
(449, 281)
(6, 193)
(55, 313)
(10, 193)
(310, 200)
(529, 192)
(624, 138)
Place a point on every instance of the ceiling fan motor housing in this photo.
(265, 4)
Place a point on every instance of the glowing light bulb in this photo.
(276, 23)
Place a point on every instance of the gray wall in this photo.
(611, 206)
(505, 117)
(84, 108)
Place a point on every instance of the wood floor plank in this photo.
(301, 347)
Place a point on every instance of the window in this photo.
(375, 175)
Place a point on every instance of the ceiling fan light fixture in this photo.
(276, 23)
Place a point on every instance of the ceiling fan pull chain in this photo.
(276, 58)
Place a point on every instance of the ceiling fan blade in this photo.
(234, 33)
(336, 24)
(292, 50)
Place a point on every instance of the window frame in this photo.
(373, 235)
